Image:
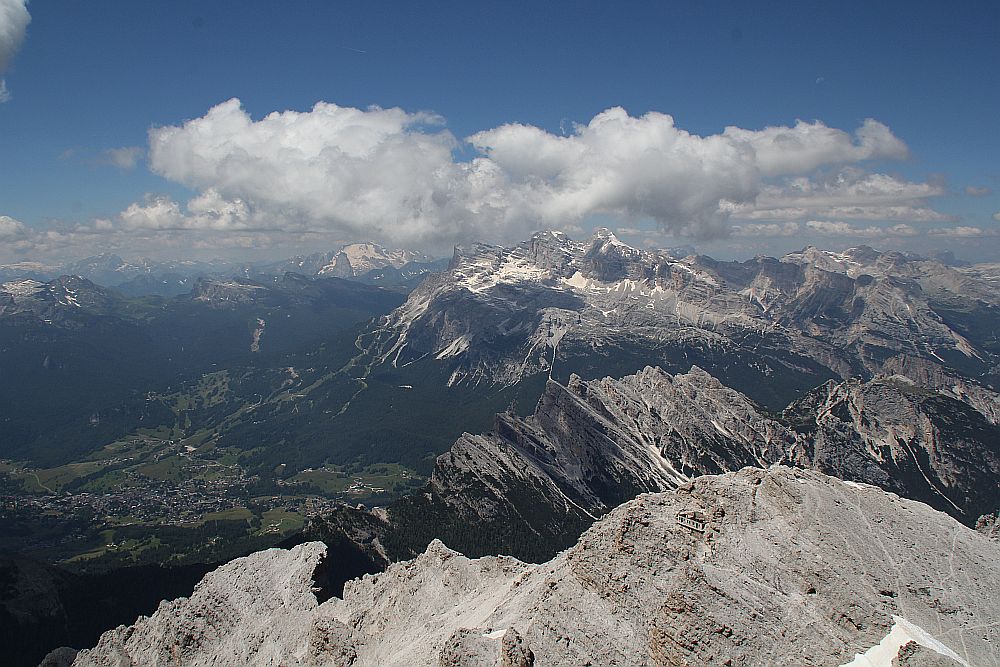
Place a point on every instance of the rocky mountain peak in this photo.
(227, 291)
(356, 259)
(24, 288)
(62, 300)
(553, 251)
(605, 238)
(105, 261)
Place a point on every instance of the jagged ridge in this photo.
(530, 487)
(786, 567)
(498, 315)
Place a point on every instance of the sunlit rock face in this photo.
(757, 567)
(533, 484)
(357, 259)
(925, 444)
(769, 327)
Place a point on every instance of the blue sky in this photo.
(93, 77)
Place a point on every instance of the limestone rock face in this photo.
(356, 259)
(781, 567)
(938, 378)
(249, 611)
(915, 655)
(533, 485)
(590, 446)
(917, 441)
(768, 327)
(989, 525)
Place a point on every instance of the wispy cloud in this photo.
(126, 157)
(826, 228)
(767, 229)
(844, 229)
(964, 232)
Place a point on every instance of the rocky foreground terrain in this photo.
(774, 566)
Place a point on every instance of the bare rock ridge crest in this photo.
(790, 567)
(532, 485)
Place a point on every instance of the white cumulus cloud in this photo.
(14, 20)
(11, 228)
(806, 146)
(154, 213)
(381, 173)
(641, 167)
(393, 175)
(208, 212)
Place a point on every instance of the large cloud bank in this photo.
(14, 20)
(301, 179)
(394, 175)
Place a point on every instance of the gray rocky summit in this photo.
(775, 566)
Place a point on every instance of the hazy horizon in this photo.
(720, 249)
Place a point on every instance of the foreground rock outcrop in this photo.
(758, 567)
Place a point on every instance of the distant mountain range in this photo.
(492, 326)
(352, 261)
(365, 262)
(496, 322)
(773, 328)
